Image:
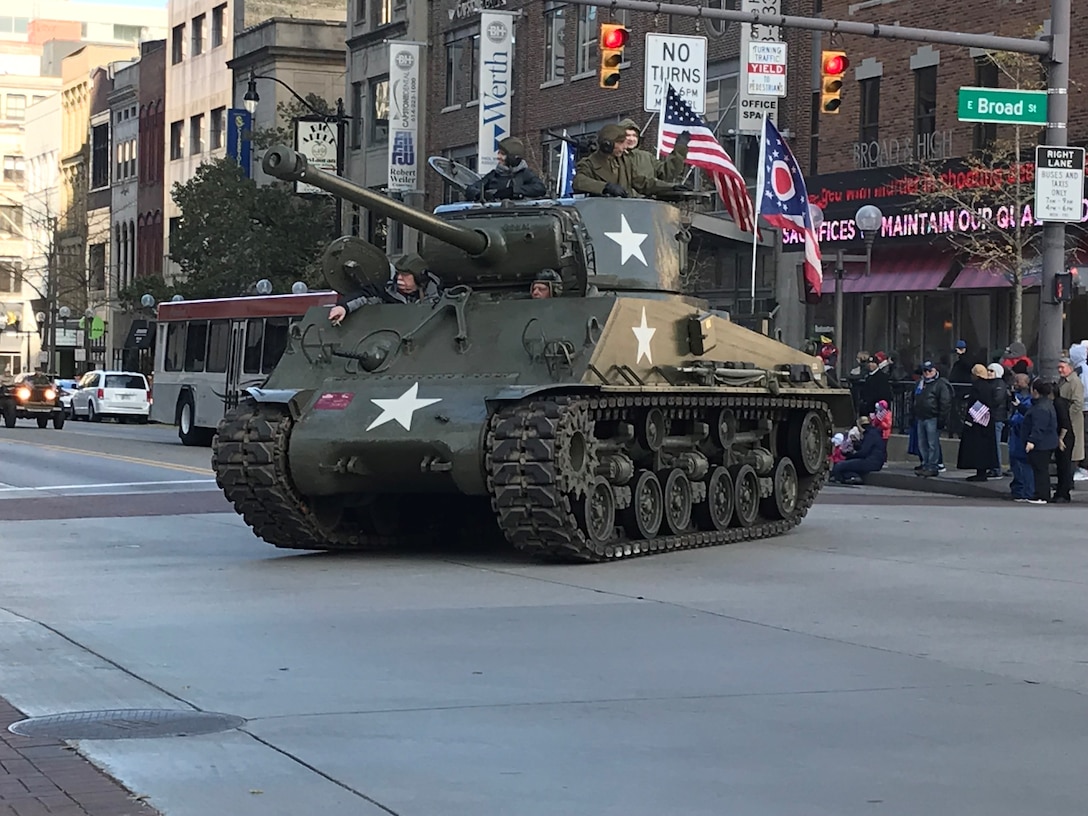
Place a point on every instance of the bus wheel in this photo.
(188, 432)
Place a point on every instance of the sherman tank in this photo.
(617, 418)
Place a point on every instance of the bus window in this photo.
(196, 345)
(174, 356)
(275, 342)
(218, 346)
(254, 341)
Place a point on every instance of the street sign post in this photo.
(679, 61)
(1004, 106)
(754, 99)
(767, 68)
(1059, 183)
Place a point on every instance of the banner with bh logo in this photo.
(496, 63)
(403, 116)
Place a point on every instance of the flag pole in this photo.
(756, 201)
(661, 120)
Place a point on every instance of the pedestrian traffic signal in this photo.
(612, 41)
(1063, 287)
(833, 65)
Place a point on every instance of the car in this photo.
(31, 396)
(123, 395)
(65, 389)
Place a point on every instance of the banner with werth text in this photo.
(496, 66)
(404, 59)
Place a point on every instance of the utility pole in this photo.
(1054, 49)
(51, 296)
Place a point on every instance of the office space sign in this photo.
(404, 59)
(496, 64)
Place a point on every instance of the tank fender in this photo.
(514, 393)
(293, 398)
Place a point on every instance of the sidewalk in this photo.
(45, 777)
(901, 476)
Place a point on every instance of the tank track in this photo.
(525, 461)
(249, 457)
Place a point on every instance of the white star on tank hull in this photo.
(400, 409)
(630, 242)
(644, 334)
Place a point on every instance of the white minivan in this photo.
(123, 395)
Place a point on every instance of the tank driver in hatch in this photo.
(410, 281)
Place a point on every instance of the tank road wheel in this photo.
(43, 421)
(746, 494)
(716, 511)
(575, 451)
(782, 503)
(596, 512)
(642, 519)
(650, 430)
(808, 443)
(725, 428)
(678, 500)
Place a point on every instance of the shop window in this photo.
(907, 339)
(869, 110)
(925, 101)
(986, 76)
(555, 32)
(975, 325)
(938, 339)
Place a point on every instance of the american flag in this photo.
(565, 182)
(783, 201)
(705, 152)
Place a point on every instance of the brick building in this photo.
(898, 115)
(555, 88)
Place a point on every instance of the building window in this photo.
(379, 111)
(198, 34)
(13, 169)
(196, 134)
(586, 54)
(869, 110)
(16, 106)
(177, 44)
(96, 266)
(177, 140)
(381, 12)
(11, 220)
(127, 33)
(555, 31)
(100, 156)
(356, 115)
(986, 76)
(925, 101)
(10, 276)
(120, 170)
(462, 67)
(218, 125)
(360, 10)
(219, 22)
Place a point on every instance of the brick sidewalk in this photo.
(46, 777)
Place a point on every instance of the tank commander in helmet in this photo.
(547, 284)
(410, 281)
(643, 162)
(511, 179)
(611, 172)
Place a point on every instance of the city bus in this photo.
(207, 352)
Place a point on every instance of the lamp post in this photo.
(340, 119)
(88, 320)
(868, 219)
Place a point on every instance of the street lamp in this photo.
(868, 219)
(264, 287)
(252, 98)
(147, 301)
(299, 288)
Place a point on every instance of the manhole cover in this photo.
(125, 723)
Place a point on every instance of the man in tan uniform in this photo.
(609, 170)
(670, 169)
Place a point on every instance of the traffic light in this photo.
(612, 41)
(833, 65)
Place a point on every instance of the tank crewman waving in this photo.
(511, 179)
(643, 163)
(547, 284)
(410, 281)
(610, 172)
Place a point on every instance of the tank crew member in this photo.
(410, 281)
(512, 178)
(609, 171)
(643, 162)
(547, 284)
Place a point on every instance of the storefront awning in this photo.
(901, 271)
(976, 275)
(141, 335)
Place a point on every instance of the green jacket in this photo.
(670, 169)
(596, 170)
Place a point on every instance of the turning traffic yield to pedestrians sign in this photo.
(1059, 183)
(1004, 106)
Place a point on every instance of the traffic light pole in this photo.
(1054, 48)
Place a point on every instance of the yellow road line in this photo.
(114, 456)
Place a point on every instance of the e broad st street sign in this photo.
(1003, 106)
(1059, 183)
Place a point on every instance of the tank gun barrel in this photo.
(284, 163)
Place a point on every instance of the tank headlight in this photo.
(50, 394)
(23, 394)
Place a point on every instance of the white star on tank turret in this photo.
(400, 409)
(644, 334)
(630, 242)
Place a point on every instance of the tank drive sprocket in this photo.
(545, 512)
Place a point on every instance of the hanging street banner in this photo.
(316, 140)
(496, 64)
(404, 59)
(677, 60)
(239, 146)
(751, 106)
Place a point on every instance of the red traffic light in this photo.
(614, 37)
(836, 64)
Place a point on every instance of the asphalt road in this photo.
(897, 654)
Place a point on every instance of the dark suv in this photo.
(31, 396)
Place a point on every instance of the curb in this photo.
(948, 485)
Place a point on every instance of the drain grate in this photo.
(126, 723)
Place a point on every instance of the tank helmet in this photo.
(412, 264)
(552, 279)
(608, 136)
(514, 149)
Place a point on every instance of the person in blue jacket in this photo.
(1040, 434)
(1022, 486)
(868, 456)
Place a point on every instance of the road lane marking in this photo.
(47, 488)
(114, 456)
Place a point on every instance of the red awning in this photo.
(975, 276)
(902, 271)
